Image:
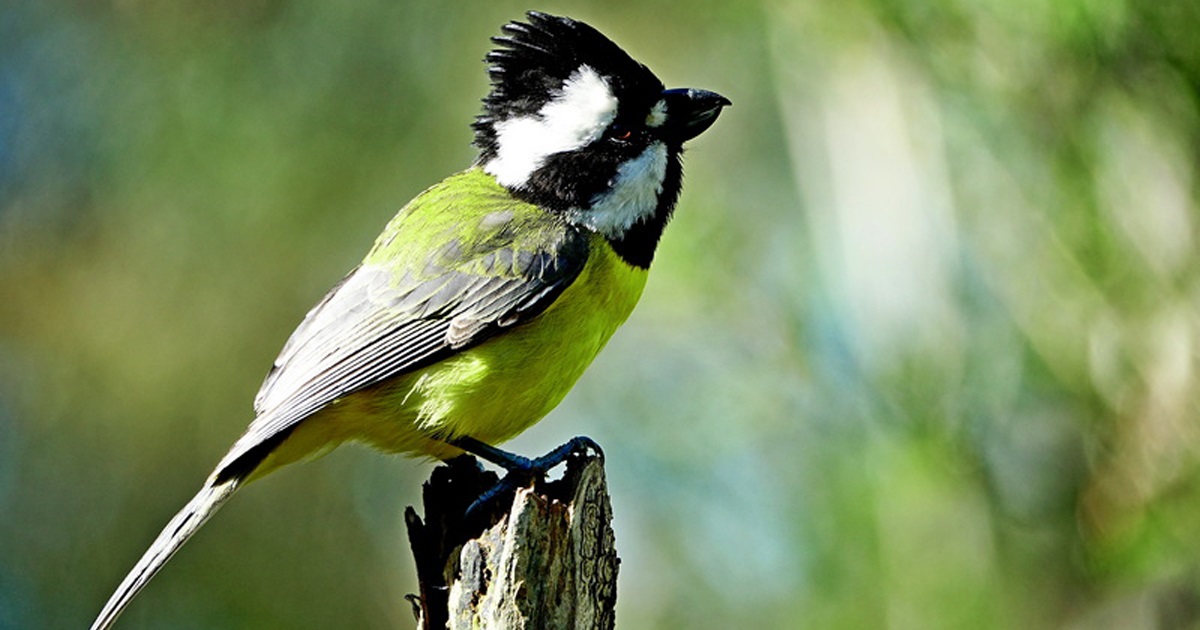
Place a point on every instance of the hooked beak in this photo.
(690, 112)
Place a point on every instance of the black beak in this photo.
(690, 112)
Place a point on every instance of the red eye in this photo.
(620, 132)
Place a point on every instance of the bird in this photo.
(487, 296)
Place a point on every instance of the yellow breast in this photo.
(490, 392)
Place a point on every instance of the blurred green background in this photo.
(919, 351)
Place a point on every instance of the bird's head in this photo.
(575, 125)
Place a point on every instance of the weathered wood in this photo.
(542, 557)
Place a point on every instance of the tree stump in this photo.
(539, 557)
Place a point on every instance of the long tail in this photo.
(186, 523)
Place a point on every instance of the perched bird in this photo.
(487, 296)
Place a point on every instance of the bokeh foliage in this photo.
(919, 351)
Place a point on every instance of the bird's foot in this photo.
(521, 470)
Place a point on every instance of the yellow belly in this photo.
(491, 392)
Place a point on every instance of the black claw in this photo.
(576, 446)
(504, 488)
(521, 470)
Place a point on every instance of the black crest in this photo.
(534, 59)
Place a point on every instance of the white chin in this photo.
(633, 196)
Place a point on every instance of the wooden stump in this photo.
(542, 557)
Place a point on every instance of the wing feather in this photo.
(382, 321)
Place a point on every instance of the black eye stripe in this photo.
(572, 179)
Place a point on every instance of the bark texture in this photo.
(541, 557)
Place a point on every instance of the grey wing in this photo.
(372, 327)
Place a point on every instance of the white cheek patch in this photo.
(632, 197)
(658, 115)
(577, 116)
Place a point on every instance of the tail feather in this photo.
(181, 528)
